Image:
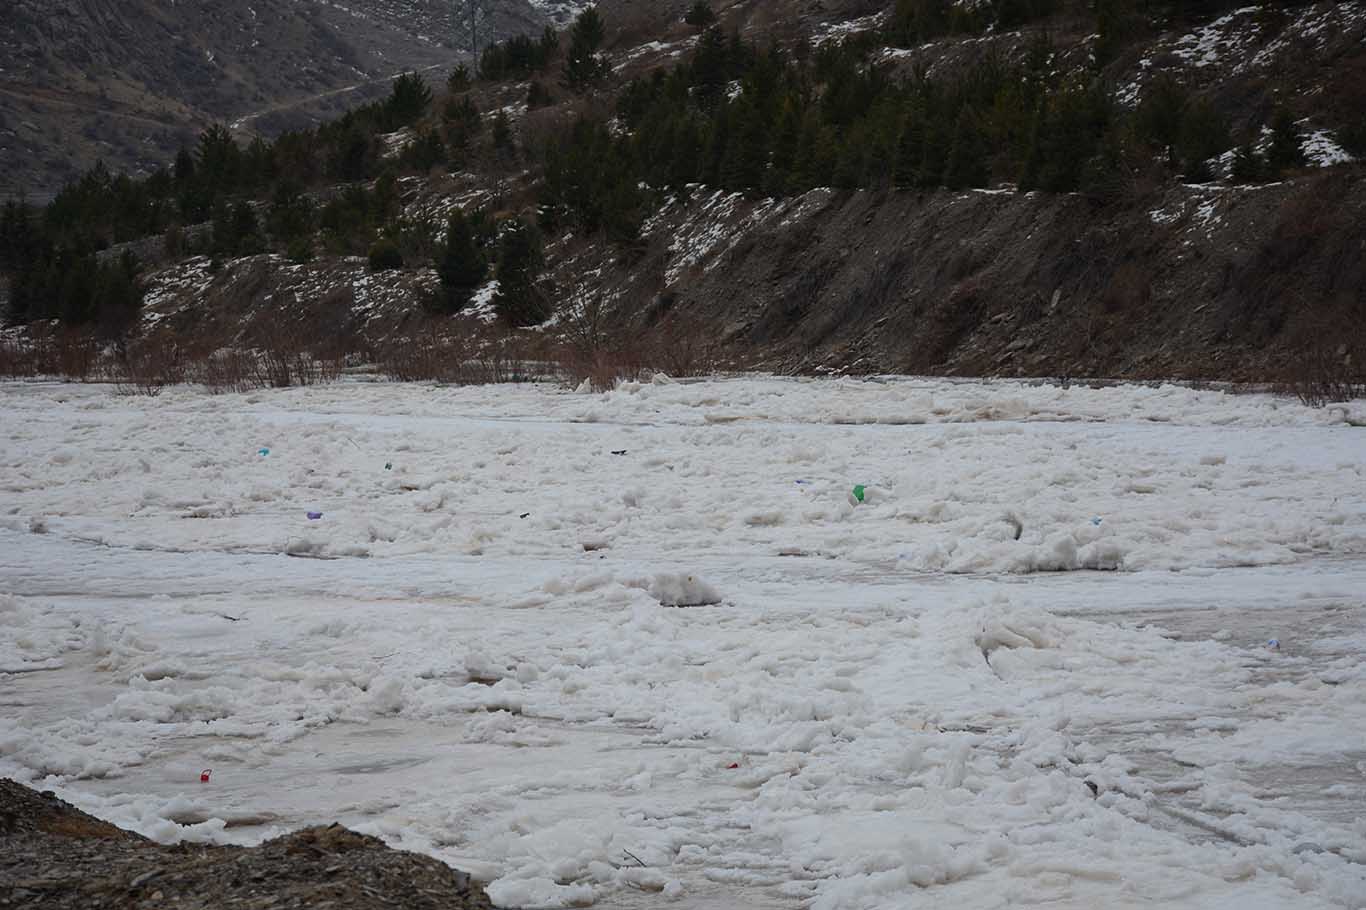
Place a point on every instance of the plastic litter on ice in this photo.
(314, 516)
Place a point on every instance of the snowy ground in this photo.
(896, 703)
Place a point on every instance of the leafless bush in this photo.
(426, 357)
(291, 355)
(17, 358)
(227, 369)
(72, 354)
(598, 350)
(282, 366)
(432, 356)
(510, 357)
(1328, 364)
(148, 364)
(593, 352)
(685, 347)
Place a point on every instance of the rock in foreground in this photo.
(54, 855)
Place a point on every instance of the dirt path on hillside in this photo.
(241, 122)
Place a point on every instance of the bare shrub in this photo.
(510, 357)
(685, 347)
(227, 369)
(17, 358)
(292, 355)
(148, 364)
(427, 357)
(432, 356)
(71, 354)
(1328, 362)
(280, 366)
(593, 352)
(597, 349)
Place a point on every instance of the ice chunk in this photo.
(680, 590)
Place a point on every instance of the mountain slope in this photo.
(130, 81)
(1176, 196)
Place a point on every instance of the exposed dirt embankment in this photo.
(54, 855)
(1196, 282)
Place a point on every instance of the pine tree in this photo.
(76, 280)
(914, 21)
(385, 256)
(518, 301)
(537, 95)
(219, 160)
(184, 166)
(1031, 169)
(1204, 135)
(938, 143)
(502, 134)
(116, 296)
(20, 240)
(848, 165)
(462, 267)
(1117, 21)
(710, 69)
(24, 256)
(583, 67)
(245, 231)
(407, 101)
(1248, 165)
(1160, 114)
(786, 138)
(547, 47)
(291, 212)
(1286, 150)
(459, 79)
(910, 149)
(746, 154)
(700, 15)
(685, 162)
(967, 163)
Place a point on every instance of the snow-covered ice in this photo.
(1029, 668)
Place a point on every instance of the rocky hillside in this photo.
(1210, 226)
(131, 81)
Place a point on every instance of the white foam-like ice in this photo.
(1029, 666)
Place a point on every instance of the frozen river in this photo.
(1031, 667)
